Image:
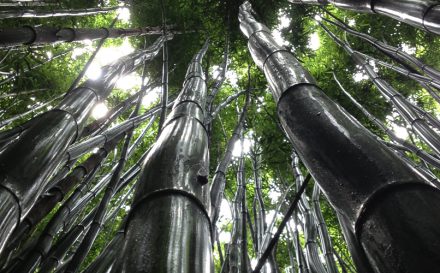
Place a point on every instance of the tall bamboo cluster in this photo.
(172, 193)
(382, 199)
(424, 14)
(84, 173)
(45, 142)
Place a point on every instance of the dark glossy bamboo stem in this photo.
(27, 13)
(219, 179)
(26, 164)
(172, 192)
(423, 14)
(45, 35)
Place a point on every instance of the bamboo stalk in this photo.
(428, 158)
(86, 244)
(27, 163)
(394, 53)
(423, 14)
(219, 179)
(405, 109)
(327, 247)
(46, 35)
(27, 13)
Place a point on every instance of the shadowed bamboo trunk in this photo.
(27, 13)
(390, 208)
(424, 14)
(57, 193)
(310, 225)
(45, 35)
(168, 228)
(26, 164)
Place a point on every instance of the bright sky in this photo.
(99, 111)
(152, 97)
(107, 55)
(314, 41)
(247, 143)
(283, 22)
(400, 131)
(124, 15)
(408, 49)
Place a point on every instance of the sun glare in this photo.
(236, 152)
(314, 41)
(129, 82)
(360, 76)
(124, 15)
(99, 111)
(93, 72)
(152, 97)
(232, 78)
(408, 49)
(400, 132)
(107, 55)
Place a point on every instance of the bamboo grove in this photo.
(219, 137)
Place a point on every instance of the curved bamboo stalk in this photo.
(86, 244)
(218, 82)
(394, 53)
(405, 109)
(170, 199)
(58, 251)
(56, 194)
(327, 247)
(26, 164)
(74, 264)
(33, 258)
(219, 179)
(424, 81)
(357, 173)
(310, 224)
(30, 111)
(27, 13)
(46, 35)
(83, 147)
(428, 158)
(423, 14)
